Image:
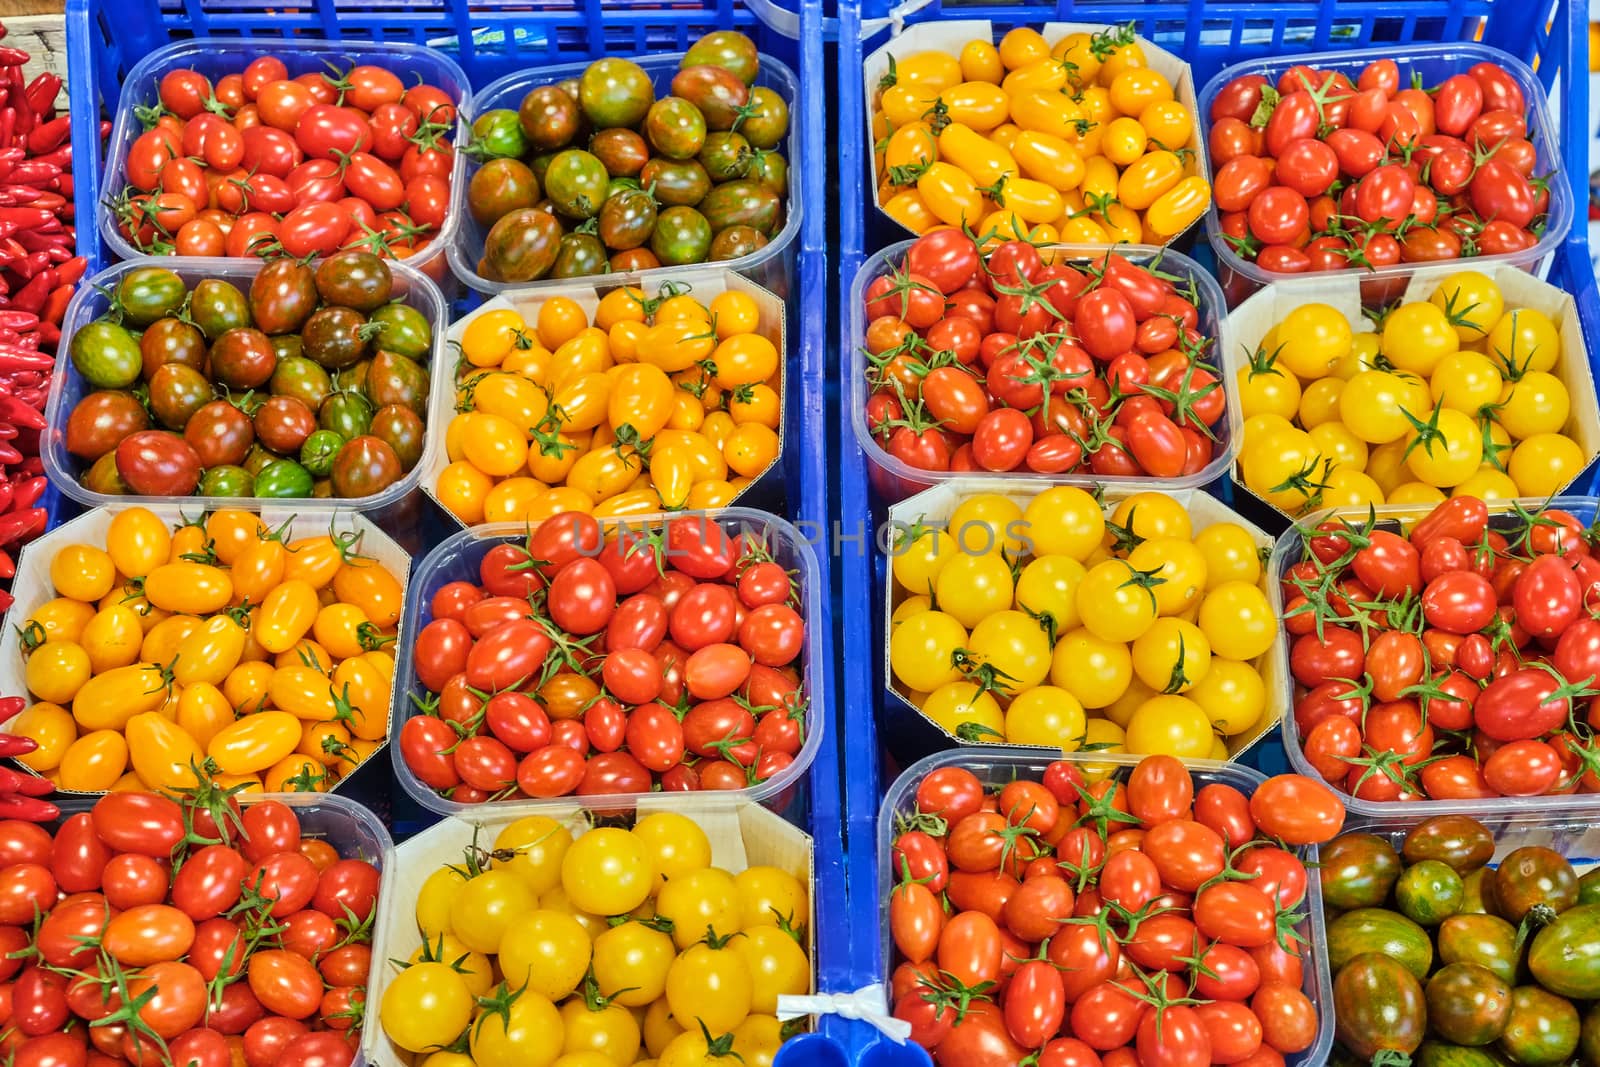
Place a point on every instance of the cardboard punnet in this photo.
(32, 586)
(764, 491)
(935, 506)
(742, 835)
(949, 37)
(1249, 322)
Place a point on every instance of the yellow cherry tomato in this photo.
(1487, 484)
(1417, 336)
(137, 541)
(966, 712)
(490, 337)
(462, 489)
(1544, 464)
(1533, 404)
(203, 712)
(1446, 450)
(163, 754)
(210, 651)
(1415, 493)
(1177, 568)
(1166, 122)
(371, 587)
(1177, 209)
(1047, 716)
(94, 762)
(52, 727)
(1148, 178)
(107, 701)
(744, 359)
(1524, 340)
(907, 103)
(984, 161)
(559, 319)
(113, 638)
(1466, 381)
(626, 304)
(976, 104)
(1471, 301)
(1376, 404)
(911, 211)
(1116, 602)
(286, 615)
(1173, 656)
(950, 194)
(750, 449)
(1049, 112)
(193, 588)
(1238, 621)
(1319, 403)
(922, 647)
(511, 397)
(980, 61)
(59, 619)
(1171, 726)
(82, 572)
(1333, 440)
(255, 742)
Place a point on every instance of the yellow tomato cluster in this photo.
(1051, 625)
(658, 404)
(1078, 140)
(221, 645)
(1454, 394)
(609, 947)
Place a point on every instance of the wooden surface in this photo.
(9, 8)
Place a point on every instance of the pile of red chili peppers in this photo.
(39, 267)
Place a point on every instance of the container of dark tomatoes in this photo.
(608, 659)
(156, 929)
(1370, 162)
(235, 146)
(1065, 908)
(1445, 656)
(1067, 364)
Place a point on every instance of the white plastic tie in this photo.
(896, 20)
(867, 1004)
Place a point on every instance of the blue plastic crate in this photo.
(491, 38)
(1550, 35)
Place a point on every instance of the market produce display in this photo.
(213, 650)
(611, 171)
(297, 381)
(1459, 394)
(153, 930)
(1081, 139)
(259, 163)
(610, 662)
(644, 405)
(1052, 620)
(1040, 361)
(1319, 170)
(605, 945)
(1438, 954)
(1445, 653)
(1068, 915)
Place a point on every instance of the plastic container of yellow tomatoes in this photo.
(125, 638)
(551, 898)
(1328, 423)
(612, 400)
(987, 133)
(1142, 622)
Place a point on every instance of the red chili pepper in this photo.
(35, 172)
(26, 493)
(42, 92)
(49, 333)
(19, 413)
(20, 525)
(39, 241)
(70, 271)
(8, 567)
(26, 218)
(60, 157)
(11, 707)
(27, 118)
(28, 809)
(33, 466)
(31, 297)
(13, 57)
(26, 784)
(21, 359)
(56, 306)
(53, 203)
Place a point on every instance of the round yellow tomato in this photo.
(1047, 589)
(1230, 554)
(606, 871)
(1150, 515)
(1094, 670)
(971, 588)
(921, 648)
(1173, 656)
(1488, 484)
(546, 950)
(52, 728)
(1171, 726)
(966, 712)
(1048, 716)
(1014, 647)
(1179, 569)
(1544, 464)
(57, 670)
(462, 489)
(1533, 404)
(1471, 301)
(1238, 621)
(82, 572)
(1311, 339)
(1115, 601)
(1346, 487)
(1417, 336)
(630, 963)
(1232, 696)
(1447, 450)
(1374, 405)
(698, 900)
(675, 844)
(425, 1006)
(1064, 521)
(1525, 340)
(1319, 403)
(1465, 381)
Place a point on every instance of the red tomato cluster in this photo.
(191, 931)
(1454, 664)
(260, 162)
(602, 664)
(1318, 173)
(1014, 359)
(1119, 924)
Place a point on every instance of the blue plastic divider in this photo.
(491, 38)
(1551, 36)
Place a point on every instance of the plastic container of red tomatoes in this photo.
(395, 507)
(771, 265)
(218, 56)
(994, 769)
(1432, 63)
(458, 557)
(1398, 518)
(893, 479)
